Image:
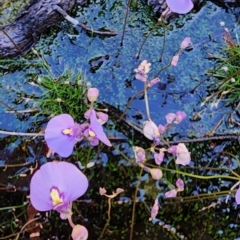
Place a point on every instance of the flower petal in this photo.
(237, 196)
(64, 176)
(56, 140)
(180, 6)
(98, 129)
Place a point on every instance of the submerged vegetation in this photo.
(95, 174)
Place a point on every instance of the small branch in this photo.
(20, 133)
(109, 218)
(201, 139)
(75, 22)
(125, 21)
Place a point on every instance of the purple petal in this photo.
(180, 6)
(173, 150)
(170, 194)
(79, 232)
(170, 117)
(159, 157)
(64, 176)
(180, 183)
(237, 196)
(56, 140)
(180, 115)
(98, 129)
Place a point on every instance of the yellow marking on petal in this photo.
(91, 134)
(67, 131)
(55, 197)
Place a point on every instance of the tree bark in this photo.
(33, 20)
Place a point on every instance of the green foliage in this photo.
(64, 94)
(226, 87)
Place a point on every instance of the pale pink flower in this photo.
(175, 59)
(79, 232)
(171, 194)
(142, 71)
(180, 115)
(153, 82)
(170, 117)
(161, 129)
(102, 117)
(159, 157)
(150, 131)
(102, 191)
(154, 210)
(185, 43)
(156, 173)
(139, 154)
(92, 94)
(180, 184)
(172, 150)
(183, 155)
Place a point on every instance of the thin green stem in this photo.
(164, 41)
(125, 22)
(13, 207)
(200, 177)
(109, 218)
(128, 103)
(134, 205)
(149, 33)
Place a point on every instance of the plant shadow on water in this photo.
(110, 67)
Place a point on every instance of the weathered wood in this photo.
(33, 20)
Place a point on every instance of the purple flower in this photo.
(185, 43)
(55, 185)
(142, 71)
(79, 232)
(180, 184)
(170, 117)
(139, 154)
(180, 115)
(180, 6)
(171, 194)
(237, 196)
(92, 94)
(95, 131)
(156, 173)
(158, 157)
(150, 131)
(61, 134)
(154, 210)
(182, 153)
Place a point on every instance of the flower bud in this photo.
(156, 173)
(79, 232)
(92, 94)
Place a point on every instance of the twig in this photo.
(20, 133)
(82, 25)
(125, 22)
(134, 205)
(109, 218)
(201, 139)
(24, 226)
